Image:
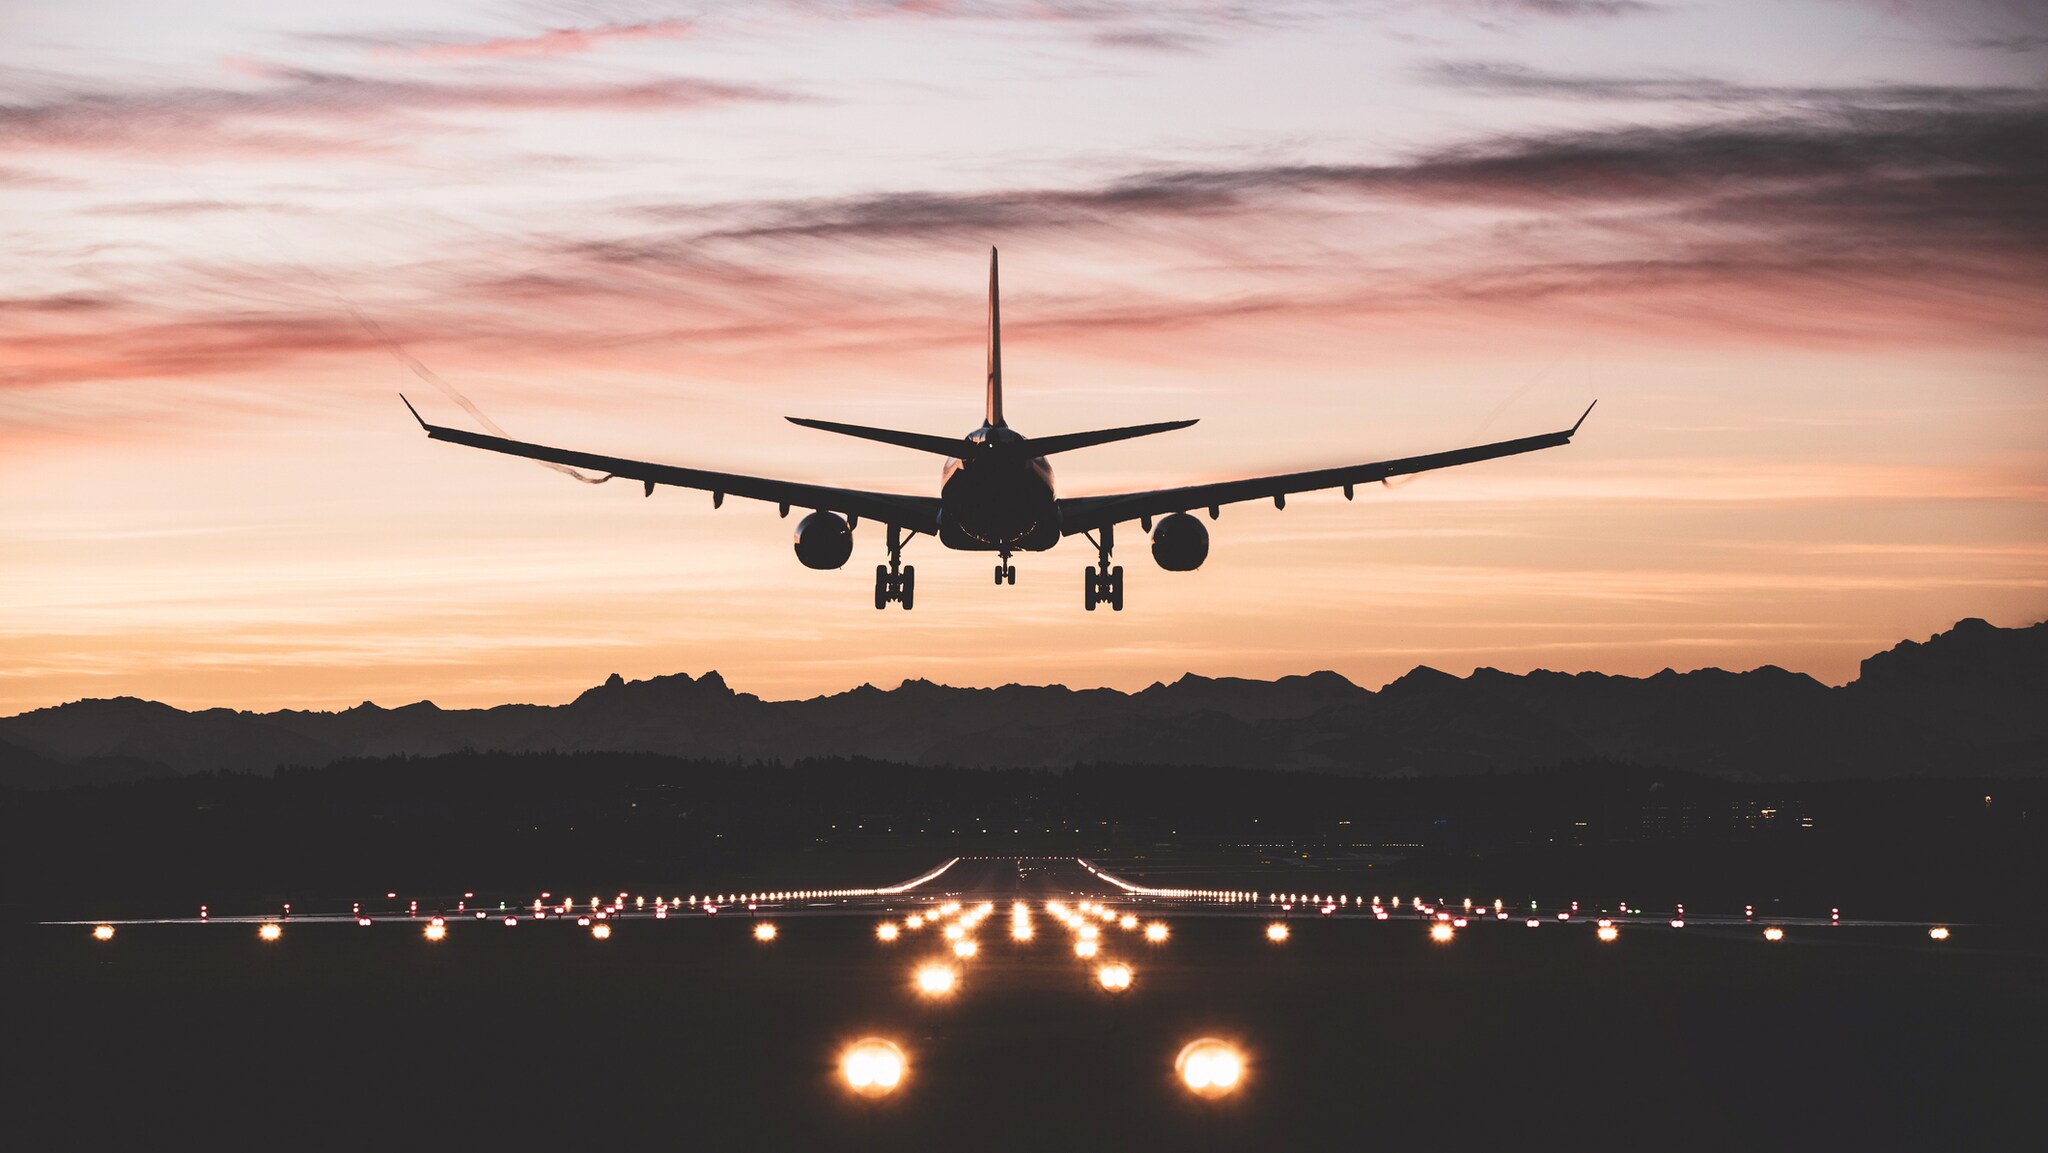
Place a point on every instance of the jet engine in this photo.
(823, 540)
(1180, 543)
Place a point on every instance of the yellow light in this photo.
(886, 930)
(1156, 931)
(935, 980)
(1127, 922)
(1774, 933)
(601, 931)
(1441, 931)
(873, 1067)
(955, 931)
(1607, 932)
(965, 949)
(270, 931)
(1937, 933)
(1277, 931)
(1021, 931)
(913, 922)
(765, 931)
(1084, 948)
(1115, 977)
(106, 933)
(435, 932)
(1087, 932)
(1209, 1067)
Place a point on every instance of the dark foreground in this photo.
(688, 1033)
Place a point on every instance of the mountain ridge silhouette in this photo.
(1963, 702)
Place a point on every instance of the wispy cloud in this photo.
(307, 112)
(551, 42)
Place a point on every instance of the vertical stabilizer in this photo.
(994, 418)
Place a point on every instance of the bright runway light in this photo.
(1156, 931)
(887, 930)
(1607, 932)
(913, 922)
(106, 933)
(1277, 931)
(955, 931)
(1209, 1067)
(1085, 948)
(1534, 923)
(1441, 931)
(1127, 922)
(601, 931)
(765, 931)
(436, 931)
(1937, 933)
(1774, 933)
(935, 980)
(872, 1067)
(1115, 977)
(1020, 931)
(270, 931)
(964, 949)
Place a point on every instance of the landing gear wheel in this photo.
(1088, 588)
(881, 586)
(1116, 589)
(909, 587)
(1006, 574)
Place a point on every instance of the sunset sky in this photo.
(1798, 250)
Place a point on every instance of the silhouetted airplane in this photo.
(996, 492)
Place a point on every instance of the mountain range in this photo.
(1965, 702)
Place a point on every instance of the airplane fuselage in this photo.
(998, 499)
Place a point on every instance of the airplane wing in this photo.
(1089, 513)
(915, 513)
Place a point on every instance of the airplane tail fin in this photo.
(994, 416)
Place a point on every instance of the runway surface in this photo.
(685, 1027)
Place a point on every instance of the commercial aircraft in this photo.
(996, 492)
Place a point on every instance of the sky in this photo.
(1798, 250)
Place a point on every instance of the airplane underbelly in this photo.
(991, 514)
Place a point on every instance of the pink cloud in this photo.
(553, 42)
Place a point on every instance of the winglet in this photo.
(415, 412)
(1582, 418)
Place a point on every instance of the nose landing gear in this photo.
(1006, 573)
(895, 582)
(1101, 584)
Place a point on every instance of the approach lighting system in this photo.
(1210, 1068)
(106, 933)
(1276, 932)
(873, 1067)
(1155, 932)
(1114, 977)
(887, 931)
(936, 981)
(765, 931)
(1774, 933)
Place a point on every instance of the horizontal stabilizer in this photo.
(923, 442)
(1047, 445)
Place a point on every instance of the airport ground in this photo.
(690, 1032)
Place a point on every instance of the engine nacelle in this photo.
(1180, 543)
(823, 540)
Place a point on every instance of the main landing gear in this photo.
(1101, 584)
(895, 581)
(1006, 573)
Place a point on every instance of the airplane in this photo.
(996, 491)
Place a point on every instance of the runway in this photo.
(687, 1028)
